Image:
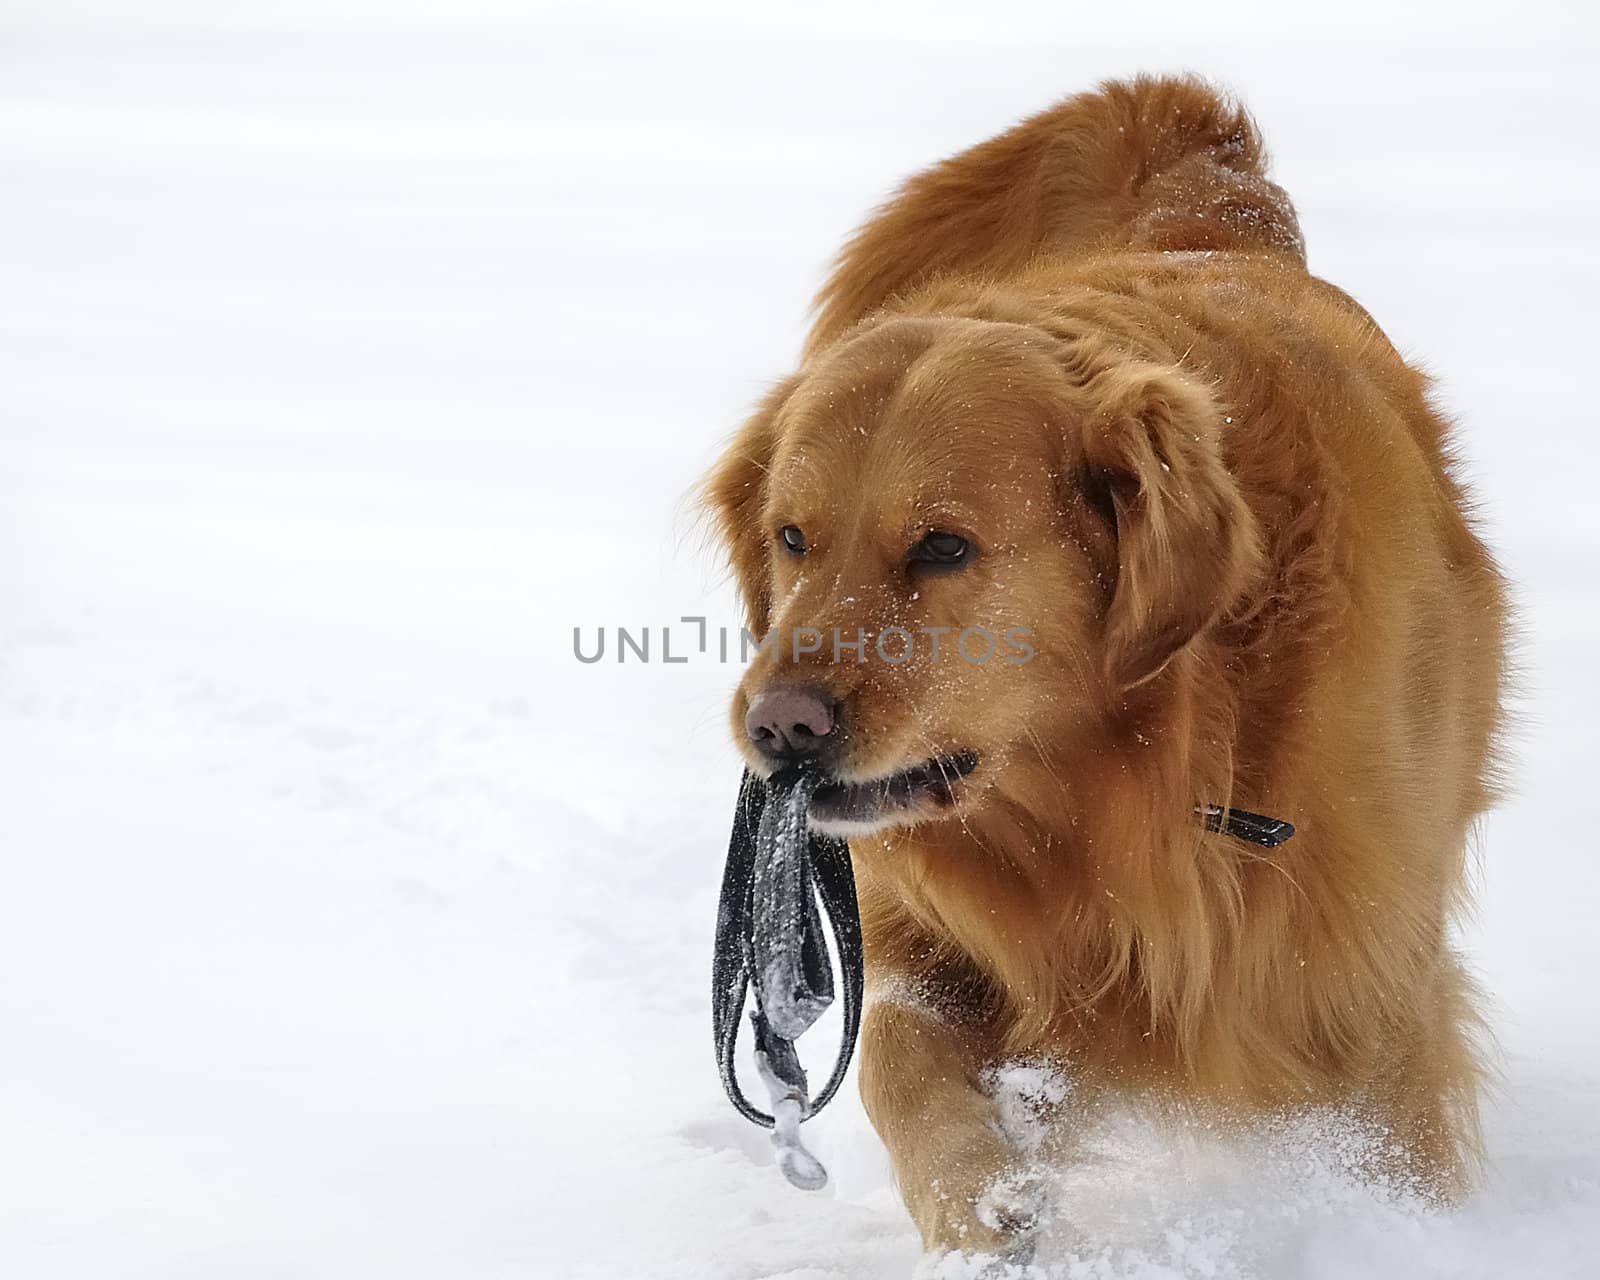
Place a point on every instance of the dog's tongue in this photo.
(793, 977)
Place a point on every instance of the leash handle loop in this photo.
(832, 878)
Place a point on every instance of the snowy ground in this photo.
(350, 928)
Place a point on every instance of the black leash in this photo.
(770, 938)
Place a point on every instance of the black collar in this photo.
(1241, 824)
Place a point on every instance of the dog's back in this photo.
(1165, 164)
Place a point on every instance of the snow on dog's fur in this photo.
(1227, 513)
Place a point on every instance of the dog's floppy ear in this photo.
(735, 494)
(1187, 545)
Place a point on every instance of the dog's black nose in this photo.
(788, 722)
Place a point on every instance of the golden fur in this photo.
(1225, 507)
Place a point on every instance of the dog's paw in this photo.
(955, 1264)
(988, 1235)
(1013, 1203)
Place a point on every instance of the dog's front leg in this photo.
(960, 1179)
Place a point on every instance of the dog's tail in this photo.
(1160, 163)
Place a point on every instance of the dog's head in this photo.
(964, 541)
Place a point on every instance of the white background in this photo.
(351, 355)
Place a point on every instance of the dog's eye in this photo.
(941, 548)
(793, 539)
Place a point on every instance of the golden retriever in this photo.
(1190, 534)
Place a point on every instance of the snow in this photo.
(355, 353)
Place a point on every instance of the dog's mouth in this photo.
(856, 808)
